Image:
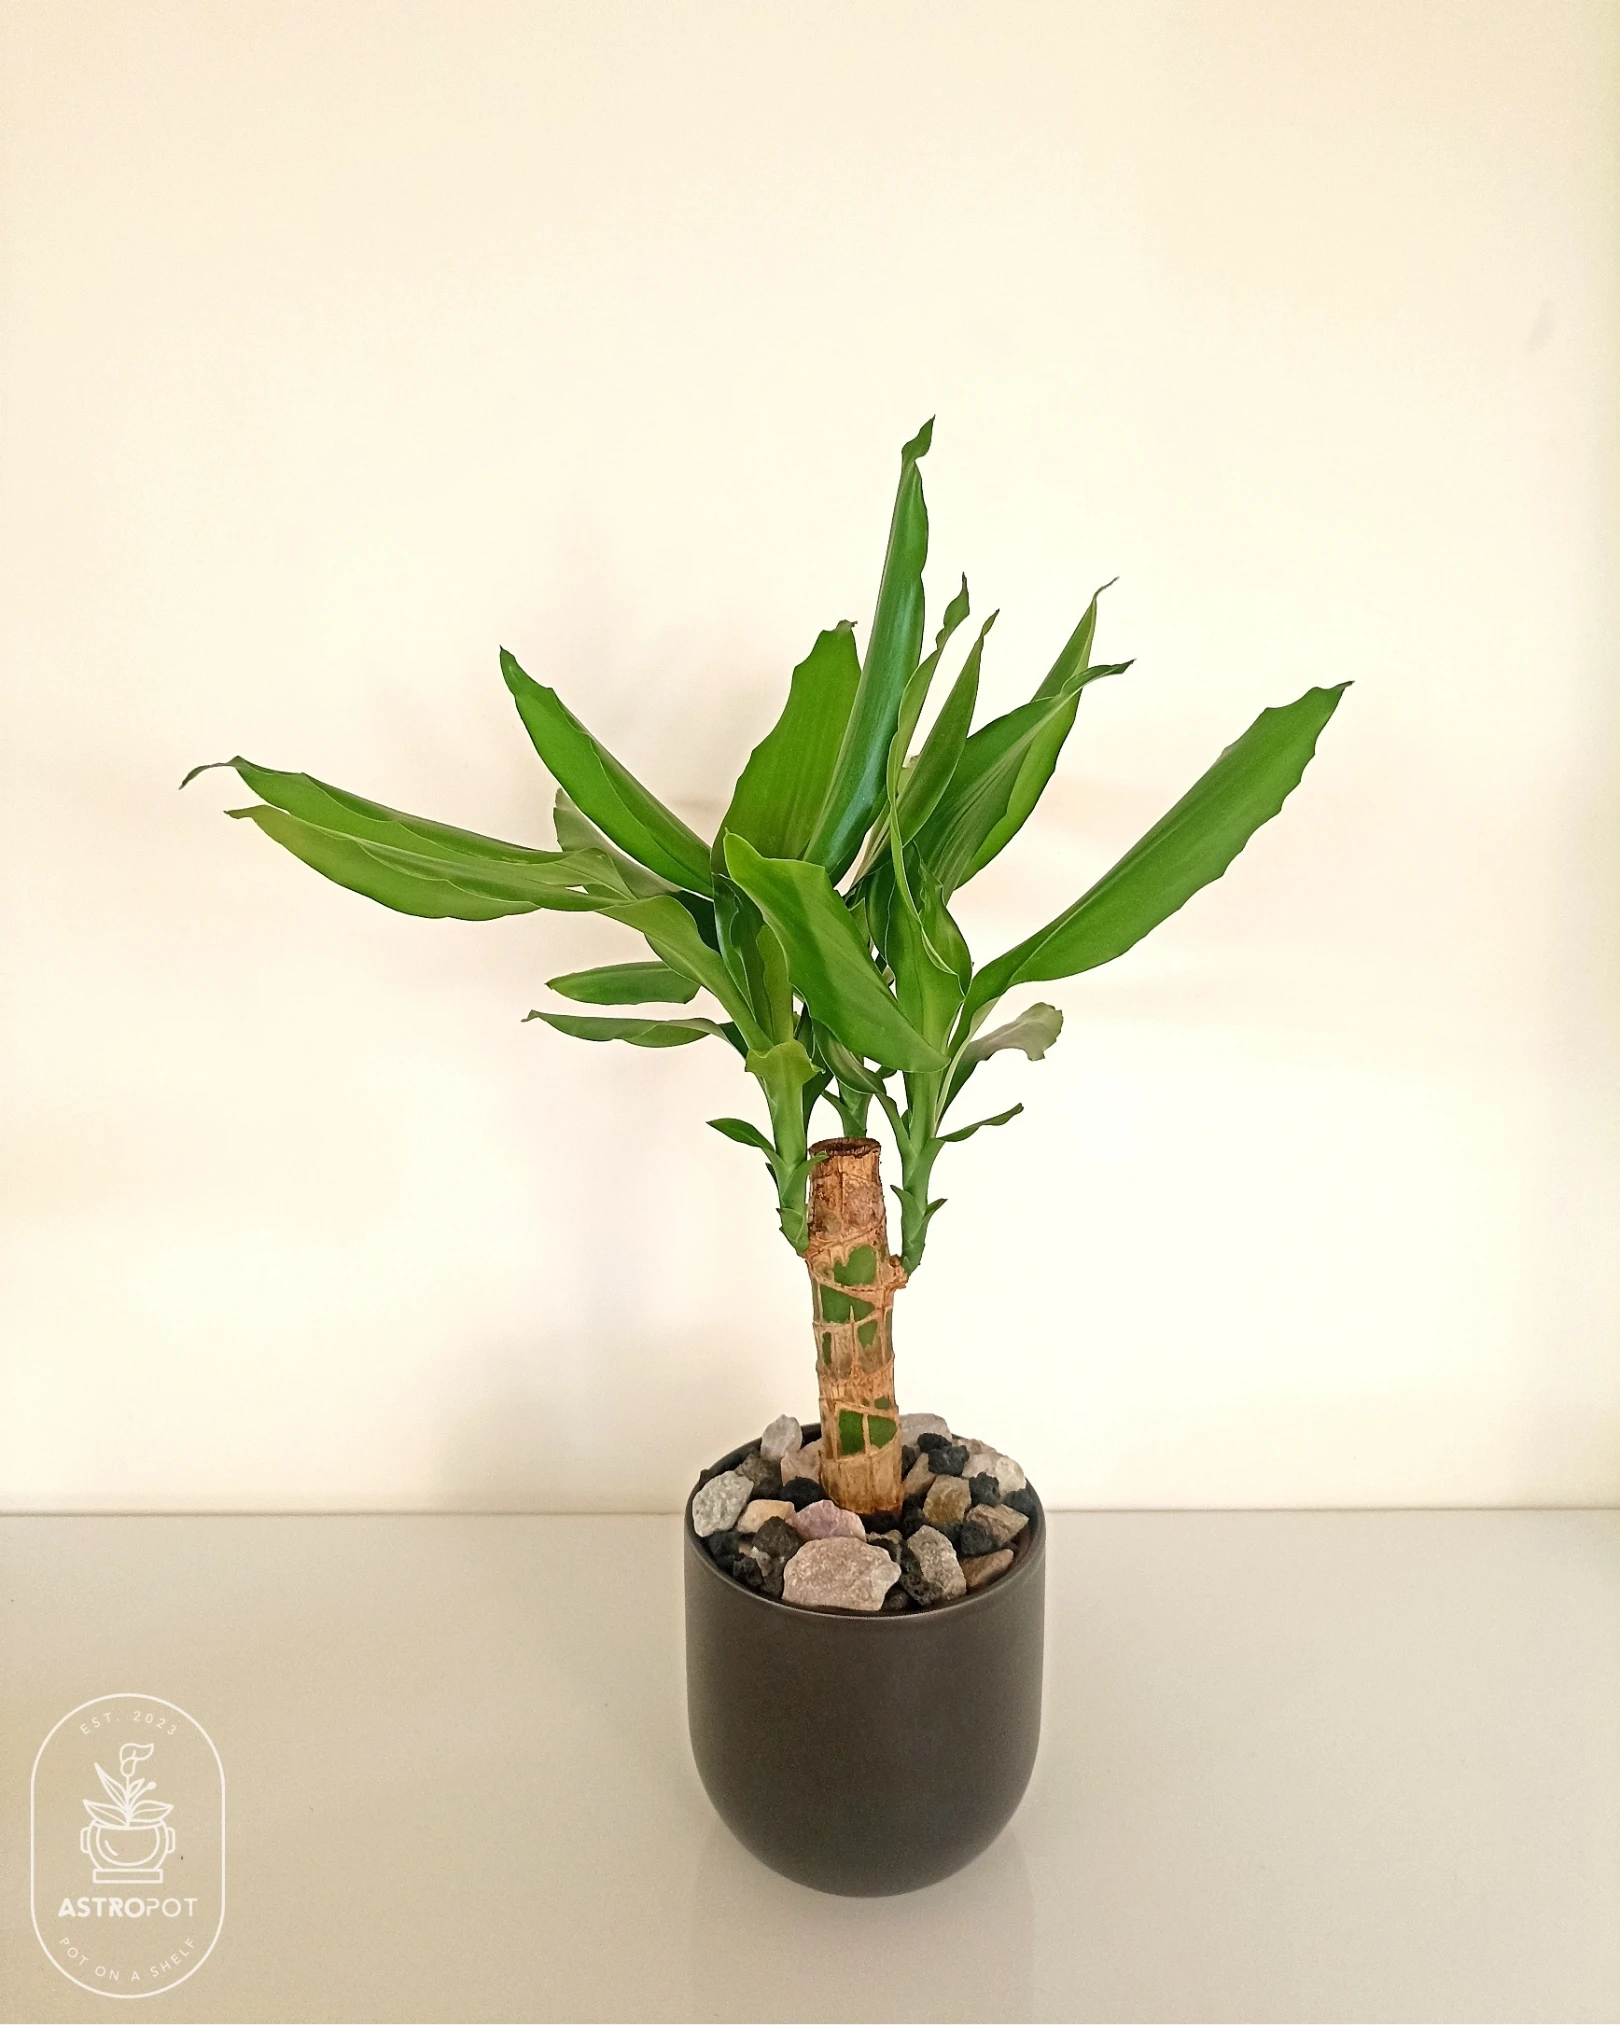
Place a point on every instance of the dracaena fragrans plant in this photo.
(817, 922)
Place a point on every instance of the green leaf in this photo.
(1076, 655)
(432, 884)
(1034, 1031)
(827, 958)
(967, 1131)
(608, 793)
(626, 984)
(1002, 773)
(673, 936)
(855, 791)
(576, 832)
(754, 958)
(351, 815)
(942, 749)
(639, 1033)
(930, 976)
(745, 1134)
(780, 792)
(1184, 850)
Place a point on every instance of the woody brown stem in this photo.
(853, 1282)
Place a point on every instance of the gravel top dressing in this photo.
(963, 1521)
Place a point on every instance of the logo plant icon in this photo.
(129, 1837)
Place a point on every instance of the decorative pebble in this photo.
(1009, 1476)
(918, 1477)
(765, 1477)
(725, 1546)
(929, 1568)
(913, 1426)
(802, 1462)
(755, 1513)
(783, 1433)
(778, 1539)
(985, 1489)
(839, 1574)
(947, 1502)
(989, 1527)
(948, 1460)
(978, 1569)
(1021, 1501)
(827, 1521)
(719, 1503)
(934, 1437)
(802, 1491)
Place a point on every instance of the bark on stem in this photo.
(853, 1282)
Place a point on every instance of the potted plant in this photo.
(864, 1593)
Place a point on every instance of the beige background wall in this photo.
(343, 342)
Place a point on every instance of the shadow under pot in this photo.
(864, 1754)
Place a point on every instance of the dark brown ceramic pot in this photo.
(864, 1754)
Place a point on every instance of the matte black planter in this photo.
(864, 1754)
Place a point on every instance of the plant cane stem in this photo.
(853, 1282)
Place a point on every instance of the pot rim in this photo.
(1022, 1570)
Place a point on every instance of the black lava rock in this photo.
(1022, 1501)
(949, 1459)
(880, 1522)
(908, 1459)
(898, 1599)
(748, 1571)
(777, 1539)
(974, 1539)
(985, 1489)
(911, 1518)
(801, 1492)
(725, 1546)
(929, 1442)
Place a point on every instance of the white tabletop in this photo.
(1294, 1766)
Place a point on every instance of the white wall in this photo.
(342, 342)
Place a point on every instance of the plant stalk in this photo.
(853, 1282)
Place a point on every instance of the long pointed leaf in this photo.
(606, 791)
(639, 1033)
(576, 832)
(434, 886)
(1001, 775)
(892, 652)
(1186, 849)
(828, 959)
(673, 935)
(625, 984)
(351, 815)
(780, 792)
(941, 751)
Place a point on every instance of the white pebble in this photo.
(755, 1515)
(843, 1574)
(826, 1521)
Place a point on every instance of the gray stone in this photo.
(913, 1424)
(826, 1521)
(843, 1574)
(978, 1569)
(763, 1475)
(783, 1433)
(947, 1502)
(758, 1510)
(802, 1462)
(988, 1528)
(720, 1503)
(980, 1456)
(929, 1568)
